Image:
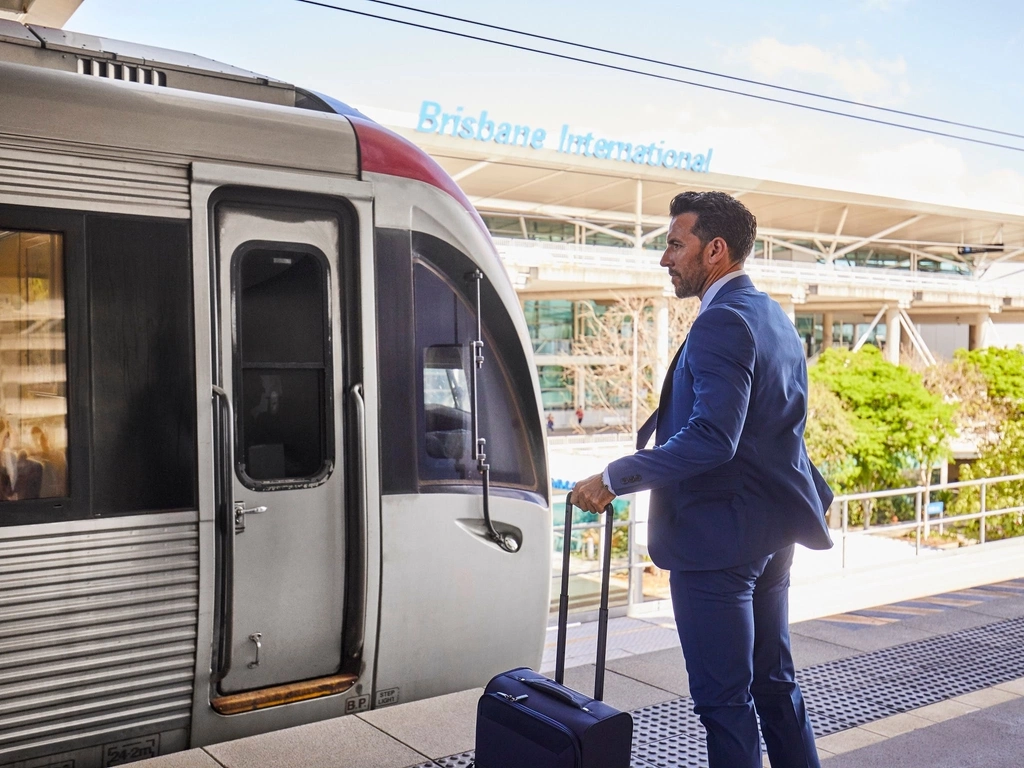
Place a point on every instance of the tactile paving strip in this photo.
(841, 694)
(463, 760)
(660, 721)
(670, 753)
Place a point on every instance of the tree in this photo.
(604, 343)
(900, 426)
(1003, 370)
(978, 417)
(1005, 458)
(829, 434)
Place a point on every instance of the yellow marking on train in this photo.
(234, 703)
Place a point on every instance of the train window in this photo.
(446, 403)
(143, 425)
(445, 327)
(33, 370)
(284, 360)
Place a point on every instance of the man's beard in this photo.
(690, 286)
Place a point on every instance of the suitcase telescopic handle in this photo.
(563, 598)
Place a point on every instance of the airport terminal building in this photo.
(580, 222)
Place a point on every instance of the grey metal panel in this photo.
(125, 51)
(19, 34)
(69, 107)
(83, 177)
(97, 631)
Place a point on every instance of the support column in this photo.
(976, 332)
(893, 325)
(581, 387)
(828, 322)
(661, 340)
(638, 224)
(789, 307)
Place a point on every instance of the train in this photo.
(271, 440)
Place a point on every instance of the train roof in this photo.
(69, 51)
(71, 87)
(69, 107)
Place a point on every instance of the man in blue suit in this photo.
(732, 489)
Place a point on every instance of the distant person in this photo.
(20, 477)
(8, 463)
(551, 423)
(579, 415)
(29, 480)
(55, 466)
(732, 489)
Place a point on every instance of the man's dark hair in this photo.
(719, 215)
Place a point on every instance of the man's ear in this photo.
(717, 251)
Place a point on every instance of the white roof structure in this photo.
(812, 228)
(522, 181)
(50, 13)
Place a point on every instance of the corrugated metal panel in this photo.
(97, 634)
(84, 177)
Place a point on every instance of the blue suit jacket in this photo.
(729, 473)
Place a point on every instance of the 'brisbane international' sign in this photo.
(484, 128)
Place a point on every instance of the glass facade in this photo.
(557, 387)
(845, 335)
(554, 231)
(551, 323)
(872, 256)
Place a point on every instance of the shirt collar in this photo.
(715, 287)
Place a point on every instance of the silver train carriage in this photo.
(241, 486)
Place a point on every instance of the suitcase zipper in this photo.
(510, 697)
(515, 702)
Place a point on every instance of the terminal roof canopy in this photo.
(50, 13)
(520, 181)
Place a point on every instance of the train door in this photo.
(288, 424)
(279, 356)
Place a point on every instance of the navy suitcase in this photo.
(525, 720)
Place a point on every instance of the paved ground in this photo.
(990, 738)
(966, 640)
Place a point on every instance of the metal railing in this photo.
(587, 438)
(921, 525)
(535, 253)
(922, 522)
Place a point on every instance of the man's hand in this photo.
(591, 495)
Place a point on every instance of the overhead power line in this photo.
(663, 77)
(710, 73)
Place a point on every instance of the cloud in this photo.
(929, 170)
(859, 78)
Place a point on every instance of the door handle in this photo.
(241, 511)
(225, 423)
(256, 637)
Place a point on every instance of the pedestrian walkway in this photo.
(935, 680)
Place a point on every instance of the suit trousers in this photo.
(734, 628)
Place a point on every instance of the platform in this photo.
(936, 680)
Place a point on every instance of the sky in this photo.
(957, 61)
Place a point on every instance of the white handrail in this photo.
(922, 496)
(533, 253)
